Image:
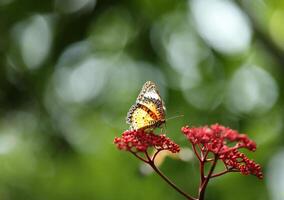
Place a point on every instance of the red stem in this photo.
(205, 155)
(156, 153)
(166, 179)
(201, 168)
(206, 179)
(195, 151)
(140, 158)
(223, 172)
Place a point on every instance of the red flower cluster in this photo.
(235, 160)
(215, 139)
(140, 141)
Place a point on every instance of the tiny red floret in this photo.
(140, 141)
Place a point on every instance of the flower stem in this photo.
(222, 173)
(167, 180)
(156, 153)
(195, 151)
(187, 196)
(140, 158)
(206, 179)
(201, 168)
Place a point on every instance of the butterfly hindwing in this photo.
(140, 118)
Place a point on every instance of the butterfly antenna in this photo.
(177, 116)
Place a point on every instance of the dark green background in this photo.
(71, 69)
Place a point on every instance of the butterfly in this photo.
(149, 111)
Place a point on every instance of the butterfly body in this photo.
(149, 111)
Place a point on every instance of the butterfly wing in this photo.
(155, 106)
(140, 118)
(149, 90)
(150, 97)
(149, 110)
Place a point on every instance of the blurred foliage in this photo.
(70, 70)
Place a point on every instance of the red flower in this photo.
(234, 160)
(216, 138)
(140, 141)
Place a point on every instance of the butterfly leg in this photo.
(163, 129)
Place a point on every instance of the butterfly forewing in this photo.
(155, 106)
(140, 118)
(150, 91)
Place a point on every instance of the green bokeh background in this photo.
(71, 69)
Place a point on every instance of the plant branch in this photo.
(156, 153)
(167, 180)
(140, 158)
(205, 155)
(195, 151)
(223, 172)
(201, 168)
(204, 183)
